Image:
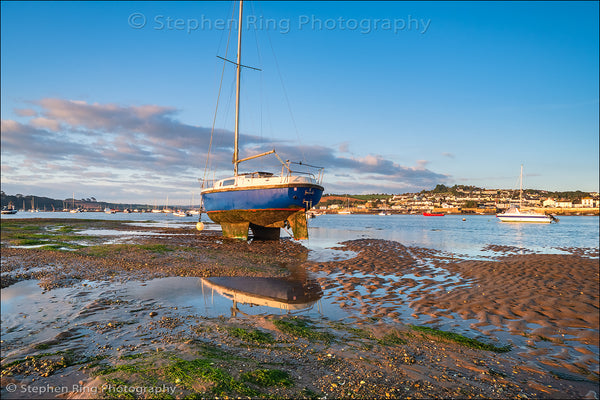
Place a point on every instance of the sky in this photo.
(117, 100)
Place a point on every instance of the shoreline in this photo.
(573, 212)
(103, 336)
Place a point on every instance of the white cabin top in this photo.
(254, 179)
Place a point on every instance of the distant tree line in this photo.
(573, 196)
(27, 202)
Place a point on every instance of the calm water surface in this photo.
(449, 233)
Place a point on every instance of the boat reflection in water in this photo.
(289, 294)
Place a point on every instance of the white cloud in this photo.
(145, 150)
(46, 123)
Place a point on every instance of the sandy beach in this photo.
(537, 313)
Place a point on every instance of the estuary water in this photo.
(449, 233)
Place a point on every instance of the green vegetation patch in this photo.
(61, 246)
(251, 335)
(117, 389)
(268, 377)
(19, 233)
(106, 250)
(64, 229)
(302, 328)
(132, 356)
(465, 341)
(206, 350)
(206, 376)
(155, 248)
(102, 250)
(187, 373)
(392, 339)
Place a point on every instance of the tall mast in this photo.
(521, 188)
(237, 95)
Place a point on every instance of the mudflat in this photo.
(532, 320)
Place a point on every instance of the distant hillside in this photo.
(28, 202)
(574, 196)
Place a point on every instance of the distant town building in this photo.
(564, 204)
(588, 202)
(549, 202)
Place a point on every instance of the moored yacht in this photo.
(514, 213)
(261, 201)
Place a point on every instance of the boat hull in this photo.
(426, 214)
(275, 206)
(540, 219)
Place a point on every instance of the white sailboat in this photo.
(74, 210)
(347, 209)
(514, 213)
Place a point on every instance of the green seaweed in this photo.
(30, 234)
(302, 328)
(187, 373)
(465, 341)
(253, 335)
(391, 339)
(115, 389)
(155, 248)
(132, 356)
(268, 377)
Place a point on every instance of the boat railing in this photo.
(316, 178)
(314, 172)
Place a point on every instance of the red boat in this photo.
(426, 214)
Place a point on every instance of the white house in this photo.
(564, 204)
(587, 202)
(549, 202)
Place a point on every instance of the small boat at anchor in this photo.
(432, 214)
(10, 209)
(514, 213)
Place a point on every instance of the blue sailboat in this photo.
(262, 202)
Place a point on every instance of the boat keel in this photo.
(237, 230)
(298, 223)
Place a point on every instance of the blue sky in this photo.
(116, 100)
